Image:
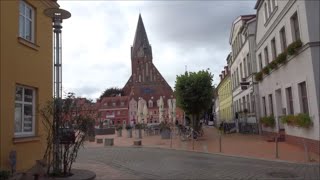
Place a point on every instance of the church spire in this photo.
(141, 46)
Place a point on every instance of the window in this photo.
(273, 3)
(249, 64)
(241, 74)
(271, 104)
(283, 39)
(26, 21)
(122, 103)
(248, 103)
(113, 104)
(265, 12)
(269, 7)
(118, 112)
(260, 61)
(295, 27)
(273, 48)
(266, 56)
(289, 101)
(245, 67)
(303, 98)
(252, 102)
(244, 102)
(24, 111)
(264, 106)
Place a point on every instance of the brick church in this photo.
(145, 84)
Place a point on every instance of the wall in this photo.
(29, 65)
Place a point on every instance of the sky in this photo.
(184, 35)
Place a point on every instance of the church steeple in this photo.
(141, 47)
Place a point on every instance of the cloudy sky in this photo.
(183, 34)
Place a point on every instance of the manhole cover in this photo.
(282, 175)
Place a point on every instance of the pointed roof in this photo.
(140, 37)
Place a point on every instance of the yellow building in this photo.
(225, 95)
(25, 79)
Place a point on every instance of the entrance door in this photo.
(279, 108)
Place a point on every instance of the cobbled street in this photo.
(156, 163)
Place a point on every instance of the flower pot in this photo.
(165, 134)
(119, 133)
(129, 133)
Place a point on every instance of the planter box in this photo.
(140, 133)
(165, 134)
(108, 142)
(129, 133)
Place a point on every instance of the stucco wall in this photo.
(29, 65)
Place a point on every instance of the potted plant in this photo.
(268, 121)
(299, 120)
(119, 130)
(266, 70)
(293, 47)
(139, 127)
(258, 76)
(165, 130)
(282, 58)
(129, 131)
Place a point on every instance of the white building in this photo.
(293, 87)
(242, 40)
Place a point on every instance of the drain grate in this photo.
(282, 174)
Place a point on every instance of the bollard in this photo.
(277, 153)
(220, 142)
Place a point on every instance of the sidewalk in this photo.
(231, 144)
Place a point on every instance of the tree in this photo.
(111, 92)
(193, 92)
(73, 127)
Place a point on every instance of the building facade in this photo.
(293, 86)
(114, 110)
(225, 94)
(242, 40)
(25, 80)
(146, 82)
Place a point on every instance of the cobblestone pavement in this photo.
(159, 163)
(231, 144)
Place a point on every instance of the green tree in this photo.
(111, 92)
(194, 92)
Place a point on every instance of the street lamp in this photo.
(57, 15)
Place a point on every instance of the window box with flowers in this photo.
(273, 65)
(266, 70)
(300, 120)
(294, 47)
(282, 58)
(268, 121)
(258, 76)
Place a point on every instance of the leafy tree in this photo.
(194, 92)
(111, 92)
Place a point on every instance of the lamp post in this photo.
(57, 15)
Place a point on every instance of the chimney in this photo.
(220, 77)
(223, 74)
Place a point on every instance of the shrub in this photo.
(303, 120)
(273, 64)
(300, 120)
(139, 126)
(119, 127)
(282, 58)
(268, 121)
(128, 127)
(258, 76)
(266, 70)
(293, 47)
(4, 174)
(164, 125)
